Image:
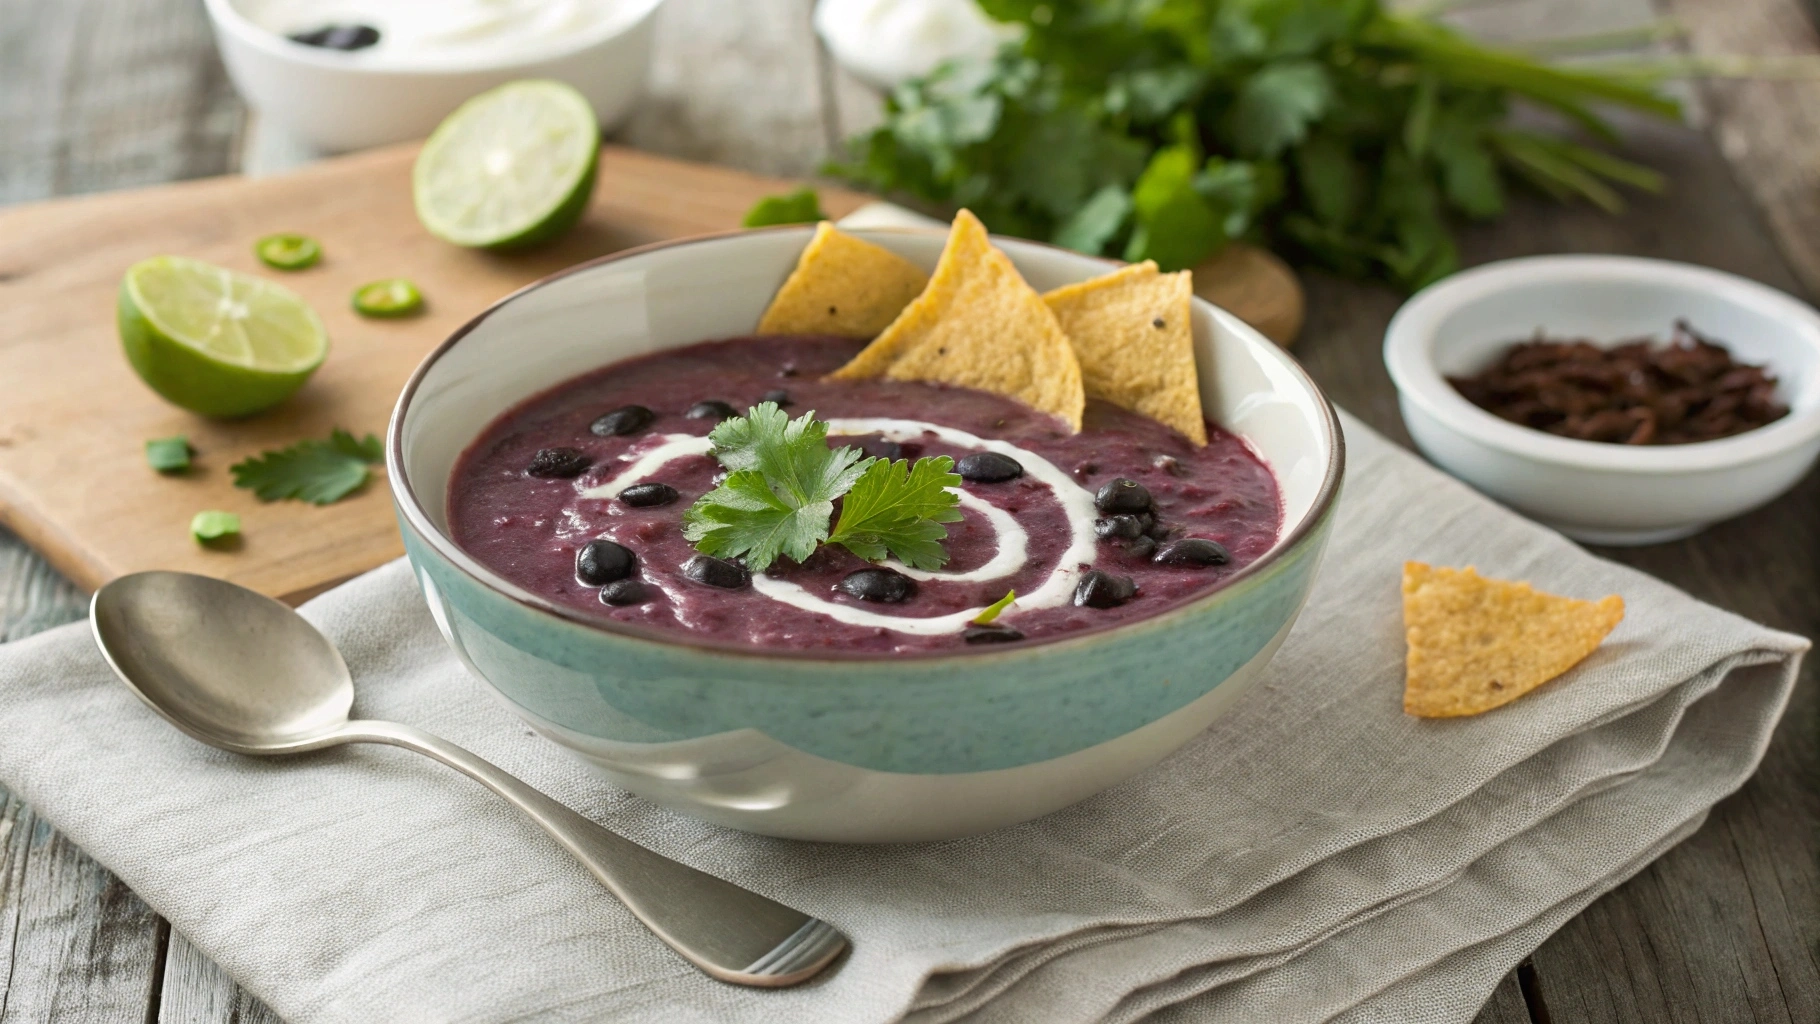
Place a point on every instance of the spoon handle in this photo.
(731, 933)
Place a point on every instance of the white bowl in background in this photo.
(1591, 491)
(337, 101)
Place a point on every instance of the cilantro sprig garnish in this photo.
(318, 472)
(782, 482)
(1351, 133)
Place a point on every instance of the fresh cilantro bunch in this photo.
(780, 489)
(1163, 129)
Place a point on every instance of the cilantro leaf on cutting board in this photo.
(316, 471)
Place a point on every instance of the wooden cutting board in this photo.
(73, 417)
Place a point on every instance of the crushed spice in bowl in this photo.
(1635, 392)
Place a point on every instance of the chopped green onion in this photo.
(213, 526)
(288, 252)
(168, 454)
(991, 611)
(389, 298)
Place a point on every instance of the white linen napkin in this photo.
(1316, 855)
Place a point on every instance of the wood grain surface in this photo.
(73, 479)
(1724, 928)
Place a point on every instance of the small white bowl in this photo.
(335, 101)
(1594, 492)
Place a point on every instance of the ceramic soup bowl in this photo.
(841, 748)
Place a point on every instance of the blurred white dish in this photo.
(1594, 492)
(885, 42)
(437, 56)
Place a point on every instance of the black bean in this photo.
(988, 468)
(886, 585)
(1195, 551)
(621, 592)
(778, 395)
(338, 37)
(648, 495)
(712, 409)
(1120, 527)
(991, 633)
(882, 448)
(1103, 590)
(717, 572)
(1143, 547)
(628, 419)
(600, 562)
(559, 462)
(1122, 495)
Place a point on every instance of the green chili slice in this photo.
(392, 297)
(288, 252)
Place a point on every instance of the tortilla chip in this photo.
(842, 286)
(1132, 333)
(1478, 643)
(978, 325)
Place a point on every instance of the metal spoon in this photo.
(240, 671)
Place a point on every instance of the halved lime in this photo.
(512, 166)
(214, 341)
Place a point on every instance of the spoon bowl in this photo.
(231, 667)
(238, 670)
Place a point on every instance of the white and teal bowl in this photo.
(857, 749)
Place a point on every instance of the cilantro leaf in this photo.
(898, 507)
(316, 471)
(1176, 226)
(802, 206)
(1096, 222)
(779, 495)
(1276, 106)
(744, 516)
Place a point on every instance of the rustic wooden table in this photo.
(98, 94)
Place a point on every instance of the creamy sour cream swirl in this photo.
(1012, 553)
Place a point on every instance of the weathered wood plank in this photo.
(1770, 130)
(80, 946)
(94, 94)
(1506, 1005)
(196, 991)
(1725, 926)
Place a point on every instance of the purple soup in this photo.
(529, 528)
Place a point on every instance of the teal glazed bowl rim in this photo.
(411, 508)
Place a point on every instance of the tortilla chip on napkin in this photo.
(1478, 643)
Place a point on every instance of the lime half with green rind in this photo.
(511, 167)
(214, 341)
